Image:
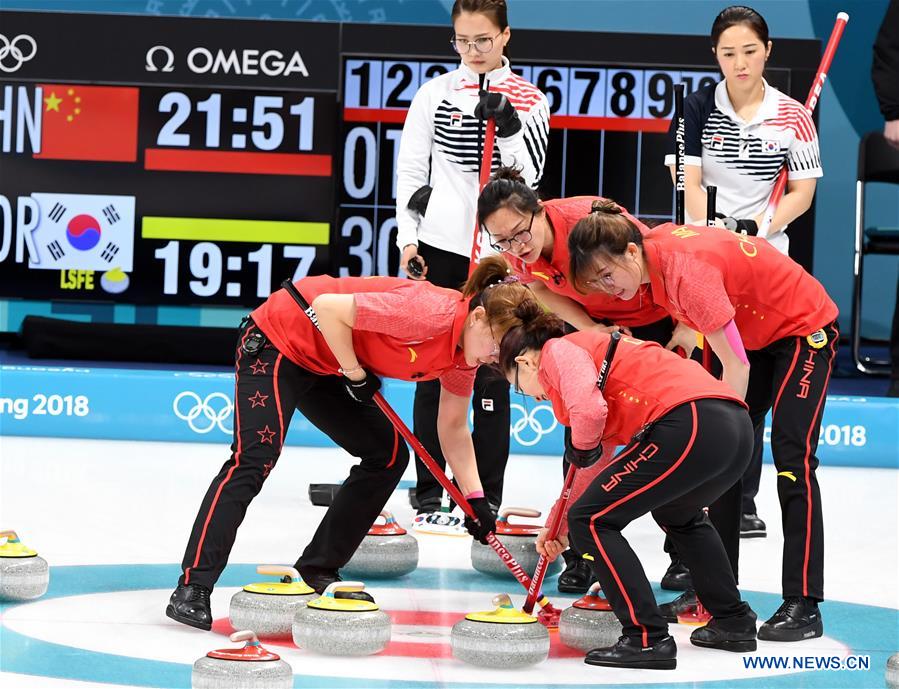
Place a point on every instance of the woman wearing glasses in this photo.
(369, 328)
(438, 168)
(773, 327)
(686, 439)
(533, 235)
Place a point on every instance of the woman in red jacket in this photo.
(370, 327)
(773, 327)
(533, 236)
(687, 439)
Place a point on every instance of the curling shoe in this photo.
(190, 605)
(577, 576)
(752, 527)
(684, 603)
(319, 579)
(628, 653)
(735, 634)
(797, 619)
(677, 577)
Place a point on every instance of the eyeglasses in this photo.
(522, 237)
(482, 45)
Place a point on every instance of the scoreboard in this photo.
(155, 160)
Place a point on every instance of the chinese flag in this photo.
(89, 123)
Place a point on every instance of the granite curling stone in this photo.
(23, 575)
(341, 626)
(250, 667)
(268, 608)
(589, 623)
(892, 673)
(386, 551)
(519, 540)
(500, 638)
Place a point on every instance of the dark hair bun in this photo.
(512, 174)
(606, 206)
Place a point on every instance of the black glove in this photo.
(582, 458)
(486, 522)
(363, 390)
(745, 225)
(497, 106)
(418, 202)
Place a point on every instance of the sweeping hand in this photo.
(550, 549)
(582, 458)
(486, 520)
(364, 390)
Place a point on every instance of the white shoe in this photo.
(439, 524)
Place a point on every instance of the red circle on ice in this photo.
(83, 232)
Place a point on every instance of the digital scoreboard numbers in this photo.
(599, 101)
(281, 141)
(171, 160)
(200, 172)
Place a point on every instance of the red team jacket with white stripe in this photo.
(439, 147)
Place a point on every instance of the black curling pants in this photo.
(790, 378)
(687, 459)
(268, 389)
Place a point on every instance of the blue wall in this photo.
(848, 109)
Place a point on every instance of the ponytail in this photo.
(536, 327)
(502, 295)
(506, 189)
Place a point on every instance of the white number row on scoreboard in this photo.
(588, 91)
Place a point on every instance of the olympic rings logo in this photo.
(13, 49)
(531, 426)
(205, 414)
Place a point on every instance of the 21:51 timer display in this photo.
(237, 120)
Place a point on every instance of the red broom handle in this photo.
(810, 102)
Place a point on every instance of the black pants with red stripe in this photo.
(269, 388)
(490, 403)
(790, 377)
(688, 458)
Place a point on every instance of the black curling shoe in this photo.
(190, 605)
(752, 527)
(677, 577)
(797, 619)
(736, 634)
(577, 576)
(628, 653)
(684, 603)
(319, 579)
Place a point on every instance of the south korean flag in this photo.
(83, 232)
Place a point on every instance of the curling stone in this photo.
(250, 667)
(341, 626)
(23, 575)
(387, 551)
(519, 540)
(589, 623)
(892, 674)
(500, 638)
(268, 607)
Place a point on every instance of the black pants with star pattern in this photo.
(269, 387)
